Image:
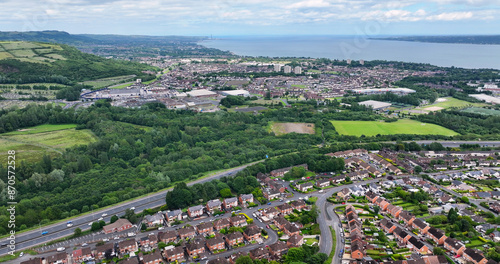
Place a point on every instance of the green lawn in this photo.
(403, 126)
(311, 241)
(302, 86)
(40, 129)
(451, 102)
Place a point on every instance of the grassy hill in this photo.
(32, 62)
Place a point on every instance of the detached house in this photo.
(153, 220)
(233, 239)
(323, 183)
(195, 211)
(285, 209)
(173, 254)
(246, 198)
(230, 202)
(252, 233)
(216, 243)
(175, 215)
(213, 205)
(305, 187)
(118, 226)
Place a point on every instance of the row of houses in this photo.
(437, 235)
(214, 205)
(355, 232)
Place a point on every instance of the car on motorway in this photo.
(45, 232)
(22, 254)
(69, 224)
(132, 208)
(105, 214)
(100, 219)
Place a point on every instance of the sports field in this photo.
(403, 126)
(32, 143)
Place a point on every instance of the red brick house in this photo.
(82, 254)
(474, 256)
(402, 235)
(222, 223)
(101, 250)
(285, 208)
(187, 231)
(205, 229)
(454, 246)
(246, 198)
(128, 246)
(421, 226)
(387, 226)
(259, 253)
(168, 236)
(407, 217)
(58, 258)
(153, 258)
(270, 212)
(215, 243)
(278, 249)
(214, 205)
(295, 241)
(238, 220)
(118, 226)
(298, 205)
(371, 196)
(291, 230)
(252, 233)
(417, 246)
(173, 254)
(280, 222)
(230, 202)
(233, 239)
(436, 235)
(357, 250)
(196, 247)
(33, 261)
(195, 211)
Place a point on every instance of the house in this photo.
(440, 167)
(174, 253)
(305, 186)
(252, 233)
(172, 216)
(402, 235)
(298, 205)
(246, 198)
(58, 258)
(196, 247)
(384, 204)
(338, 179)
(371, 196)
(295, 241)
(280, 222)
(230, 202)
(81, 255)
(291, 229)
(474, 256)
(422, 226)
(407, 217)
(276, 186)
(285, 209)
(322, 183)
(128, 246)
(454, 246)
(387, 226)
(482, 195)
(213, 205)
(436, 235)
(235, 256)
(495, 235)
(434, 259)
(238, 220)
(195, 211)
(270, 212)
(101, 250)
(153, 220)
(215, 243)
(271, 194)
(357, 250)
(145, 241)
(278, 249)
(131, 260)
(417, 246)
(222, 223)
(205, 229)
(167, 236)
(33, 261)
(218, 260)
(259, 253)
(118, 226)
(186, 231)
(443, 177)
(233, 239)
(153, 258)
(445, 198)
(495, 206)
(394, 210)
(344, 194)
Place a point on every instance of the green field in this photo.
(482, 111)
(105, 82)
(301, 86)
(450, 102)
(403, 126)
(32, 143)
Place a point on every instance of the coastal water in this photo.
(361, 48)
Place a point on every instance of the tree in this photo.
(225, 193)
(144, 227)
(113, 219)
(452, 216)
(376, 210)
(244, 260)
(78, 232)
(438, 251)
(95, 226)
(418, 169)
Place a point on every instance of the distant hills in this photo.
(479, 39)
(38, 62)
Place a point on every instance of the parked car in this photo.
(269, 203)
(59, 249)
(105, 239)
(84, 244)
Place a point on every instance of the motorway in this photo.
(59, 230)
(457, 143)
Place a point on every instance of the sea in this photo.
(361, 48)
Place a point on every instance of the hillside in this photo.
(32, 62)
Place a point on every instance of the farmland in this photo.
(285, 128)
(404, 126)
(32, 143)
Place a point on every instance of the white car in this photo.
(84, 244)
(59, 249)
(105, 239)
(116, 238)
(100, 219)
(132, 208)
(105, 214)
(90, 223)
(321, 191)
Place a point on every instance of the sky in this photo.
(253, 17)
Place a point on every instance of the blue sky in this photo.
(253, 17)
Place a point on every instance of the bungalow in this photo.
(205, 229)
(222, 223)
(233, 239)
(175, 215)
(285, 208)
(252, 233)
(445, 198)
(215, 243)
(322, 183)
(469, 164)
(153, 258)
(417, 246)
(174, 253)
(153, 220)
(58, 258)
(196, 247)
(81, 255)
(230, 202)
(305, 186)
(295, 241)
(454, 246)
(246, 198)
(213, 205)
(436, 235)
(238, 220)
(101, 250)
(394, 169)
(443, 177)
(338, 179)
(167, 236)
(374, 171)
(440, 167)
(474, 256)
(127, 246)
(259, 253)
(195, 211)
(278, 249)
(186, 231)
(298, 205)
(118, 226)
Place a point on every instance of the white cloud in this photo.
(453, 16)
(309, 4)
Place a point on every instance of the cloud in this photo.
(309, 4)
(451, 16)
